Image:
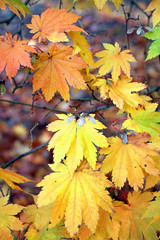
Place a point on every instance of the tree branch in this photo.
(24, 154)
(36, 106)
(137, 6)
(154, 89)
(57, 110)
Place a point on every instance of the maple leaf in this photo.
(100, 3)
(81, 46)
(54, 69)
(127, 159)
(78, 196)
(11, 177)
(132, 225)
(8, 221)
(107, 228)
(14, 6)
(38, 220)
(154, 6)
(122, 92)
(120, 60)
(13, 53)
(144, 121)
(76, 141)
(153, 211)
(154, 49)
(53, 25)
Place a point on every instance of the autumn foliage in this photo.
(100, 186)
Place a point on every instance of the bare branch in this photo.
(24, 154)
(36, 106)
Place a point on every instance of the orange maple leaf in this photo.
(52, 25)
(54, 68)
(10, 177)
(133, 226)
(107, 228)
(13, 53)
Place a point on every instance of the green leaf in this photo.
(20, 5)
(154, 49)
(153, 210)
(16, 5)
(144, 121)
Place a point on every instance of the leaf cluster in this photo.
(75, 200)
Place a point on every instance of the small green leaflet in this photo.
(16, 5)
(154, 49)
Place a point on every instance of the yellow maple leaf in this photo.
(100, 3)
(127, 159)
(78, 196)
(8, 221)
(75, 139)
(54, 69)
(113, 59)
(81, 46)
(154, 6)
(11, 177)
(122, 92)
(141, 120)
(53, 25)
(14, 53)
(133, 227)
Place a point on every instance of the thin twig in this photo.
(22, 84)
(24, 154)
(2, 192)
(126, 19)
(94, 97)
(145, 56)
(137, 6)
(57, 110)
(97, 108)
(154, 89)
(36, 106)
(37, 123)
(60, 4)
